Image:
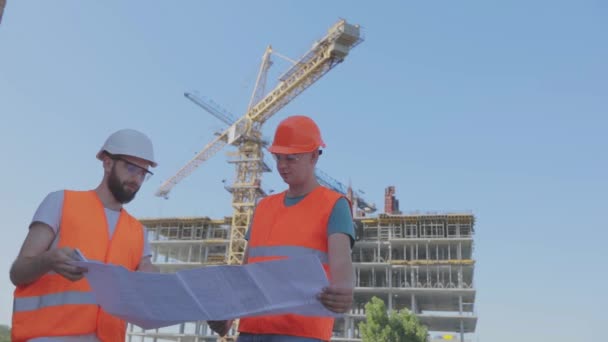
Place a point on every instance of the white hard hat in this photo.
(129, 142)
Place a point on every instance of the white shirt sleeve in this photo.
(49, 211)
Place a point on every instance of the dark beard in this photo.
(117, 189)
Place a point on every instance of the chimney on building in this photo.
(391, 204)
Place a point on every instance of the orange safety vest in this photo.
(55, 306)
(279, 232)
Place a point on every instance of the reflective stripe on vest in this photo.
(287, 251)
(39, 302)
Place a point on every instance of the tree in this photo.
(401, 326)
(5, 333)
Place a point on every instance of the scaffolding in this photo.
(422, 262)
(419, 261)
(183, 243)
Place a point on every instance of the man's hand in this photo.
(145, 265)
(336, 299)
(220, 327)
(62, 262)
(35, 259)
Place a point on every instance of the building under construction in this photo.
(420, 261)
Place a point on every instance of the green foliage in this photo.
(401, 326)
(5, 333)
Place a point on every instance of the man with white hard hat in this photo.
(52, 301)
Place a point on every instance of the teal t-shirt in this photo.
(340, 220)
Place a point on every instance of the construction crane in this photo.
(324, 179)
(245, 132)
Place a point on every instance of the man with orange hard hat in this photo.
(305, 219)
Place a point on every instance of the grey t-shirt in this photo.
(49, 212)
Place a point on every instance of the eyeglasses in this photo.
(290, 158)
(134, 170)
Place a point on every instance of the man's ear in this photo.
(107, 163)
(315, 156)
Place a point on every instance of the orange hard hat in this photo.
(296, 134)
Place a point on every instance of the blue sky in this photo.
(497, 108)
